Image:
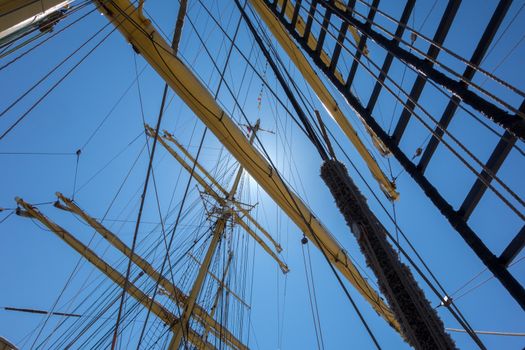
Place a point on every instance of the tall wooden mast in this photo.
(218, 231)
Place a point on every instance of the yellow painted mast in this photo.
(149, 43)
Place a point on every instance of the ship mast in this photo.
(218, 231)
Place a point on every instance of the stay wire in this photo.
(7, 217)
(109, 162)
(76, 173)
(113, 108)
(314, 293)
(480, 284)
(497, 41)
(39, 153)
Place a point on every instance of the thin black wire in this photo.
(112, 109)
(496, 42)
(108, 163)
(7, 216)
(313, 303)
(54, 85)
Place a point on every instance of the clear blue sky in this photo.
(35, 264)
